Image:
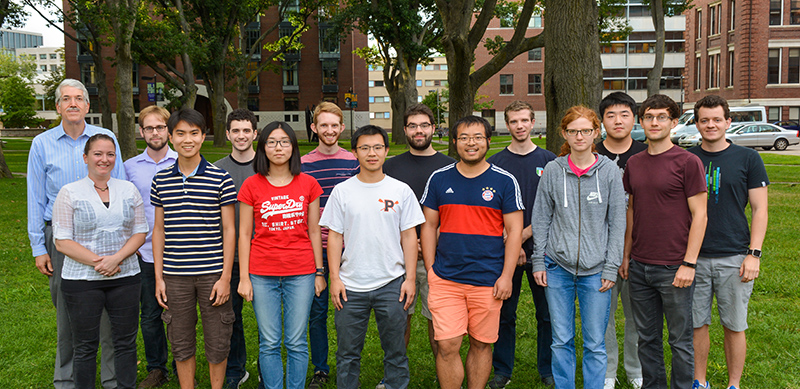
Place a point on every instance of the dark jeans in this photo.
(85, 309)
(504, 348)
(237, 358)
(653, 298)
(318, 326)
(154, 337)
(352, 322)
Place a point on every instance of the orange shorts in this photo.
(460, 309)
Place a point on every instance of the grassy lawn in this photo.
(28, 326)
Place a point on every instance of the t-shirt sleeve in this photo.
(140, 225)
(512, 198)
(62, 216)
(314, 189)
(756, 174)
(411, 215)
(694, 177)
(626, 177)
(155, 197)
(333, 214)
(429, 197)
(246, 192)
(227, 195)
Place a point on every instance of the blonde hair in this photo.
(161, 112)
(328, 107)
(575, 113)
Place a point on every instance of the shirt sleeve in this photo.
(512, 198)
(245, 192)
(412, 215)
(37, 198)
(756, 173)
(694, 177)
(315, 189)
(227, 191)
(155, 197)
(429, 198)
(333, 214)
(140, 225)
(62, 216)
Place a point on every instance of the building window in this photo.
(794, 113)
(698, 32)
(419, 82)
(732, 7)
(506, 84)
(379, 115)
(44, 68)
(252, 70)
(291, 104)
(42, 56)
(428, 67)
(507, 21)
(713, 26)
(639, 10)
(774, 66)
(794, 16)
(290, 74)
(773, 114)
(87, 74)
(534, 84)
(252, 36)
(330, 72)
(52, 55)
(535, 22)
(53, 68)
(535, 54)
(134, 76)
(775, 14)
(794, 66)
(284, 32)
(713, 71)
(698, 69)
(252, 104)
(328, 42)
(731, 68)
(380, 83)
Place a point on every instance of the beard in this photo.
(417, 145)
(156, 147)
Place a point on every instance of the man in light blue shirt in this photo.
(140, 170)
(56, 159)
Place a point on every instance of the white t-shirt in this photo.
(371, 217)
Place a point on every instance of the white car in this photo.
(762, 135)
(690, 140)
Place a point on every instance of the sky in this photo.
(52, 37)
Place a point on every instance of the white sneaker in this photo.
(609, 383)
(637, 383)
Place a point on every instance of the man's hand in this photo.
(606, 285)
(245, 289)
(319, 285)
(522, 258)
(624, 267)
(161, 293)
(749, 269)
(683, 277)
(220, 293)
(408, 290)
(502, 288)
(44, 265)
(540, 277)
(338, 293)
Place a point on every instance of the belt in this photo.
(48, 223)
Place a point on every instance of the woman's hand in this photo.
(107, 265)
(245, 289)
(319, 285)
(540, 277)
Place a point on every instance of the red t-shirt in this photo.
(281, 246)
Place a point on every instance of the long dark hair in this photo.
(261, 162)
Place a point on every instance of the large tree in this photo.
(407, 33)
(123, 14)
(659, 9)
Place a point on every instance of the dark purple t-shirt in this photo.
(660, 186)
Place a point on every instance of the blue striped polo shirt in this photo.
(192, 217)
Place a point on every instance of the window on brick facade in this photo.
(794, 15)
(698, 32)
(794, 66)
(290, 104)
(713, 25)
(774, 66)
(773, 114)
(534, 84)
(775, 14)
(290, 74)
(713, 71)
(731, 68)
(535, 54)
(732, 8)
(506, 84)
(698, 70)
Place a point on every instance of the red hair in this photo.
(575, 113)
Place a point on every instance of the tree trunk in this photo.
(5, 172)
(654, 75)
(570, 25)
(216, 93)
(122, 27)
(107, 120)
(462, 94)
(402, 90)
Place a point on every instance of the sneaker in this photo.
(320, 378)
(698, 385)
(733, 387)
(236, 384)
(549, 382)
(637, 383)
(382, 384)
(499, 382)
(609, 383)
(155, 379)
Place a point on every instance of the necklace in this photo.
(274, 180)
(101, 189)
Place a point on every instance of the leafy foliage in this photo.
(17, 100)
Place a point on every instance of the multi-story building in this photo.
(16, 39)
(323, 70)
(747, 51)
(47, 59)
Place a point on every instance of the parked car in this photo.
(686, 124)
(793, 125)
(637, 133)
(762, 135)
(690, 140)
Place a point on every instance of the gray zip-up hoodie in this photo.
(579, 222)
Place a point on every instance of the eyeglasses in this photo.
(413, 126)
(272, 143)
(660, 118)
(150, 129)
(366, 149)
(466, 139)
(584, 132)
(67, 99)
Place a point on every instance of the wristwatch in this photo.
(754, 252)
(689, 264)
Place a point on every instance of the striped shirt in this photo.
(55, 160)
(192, 217)
(329, 170)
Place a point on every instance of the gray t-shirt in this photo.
(239, 172)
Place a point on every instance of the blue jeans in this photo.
(154, 337)
(237, 358)
(294, 295)
(504, 348)
(351, 329)
(318, 325)
(653, 298)
(561, 291)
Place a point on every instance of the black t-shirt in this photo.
(527, 169)
(621, 159)
(415, 170)
(730, 173)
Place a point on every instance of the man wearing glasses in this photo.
(56, 159)
(414, 167)
(470, 265)
(666, 224)
(141, 169)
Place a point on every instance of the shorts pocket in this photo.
(228, 318)
(166, 316)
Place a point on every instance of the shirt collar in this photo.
(200, 169)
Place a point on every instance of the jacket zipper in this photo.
(577, 263)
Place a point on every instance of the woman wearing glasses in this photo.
(578, 235)
(281, 266)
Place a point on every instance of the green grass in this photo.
(28, 326)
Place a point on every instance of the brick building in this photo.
(324, 70)
(747, 51)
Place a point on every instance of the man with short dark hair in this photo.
(241, 131)
(141, 169)
(472, 204)
(730, 257)
(666, 222)
(525, 161)
(617, 113)
(56, 159)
